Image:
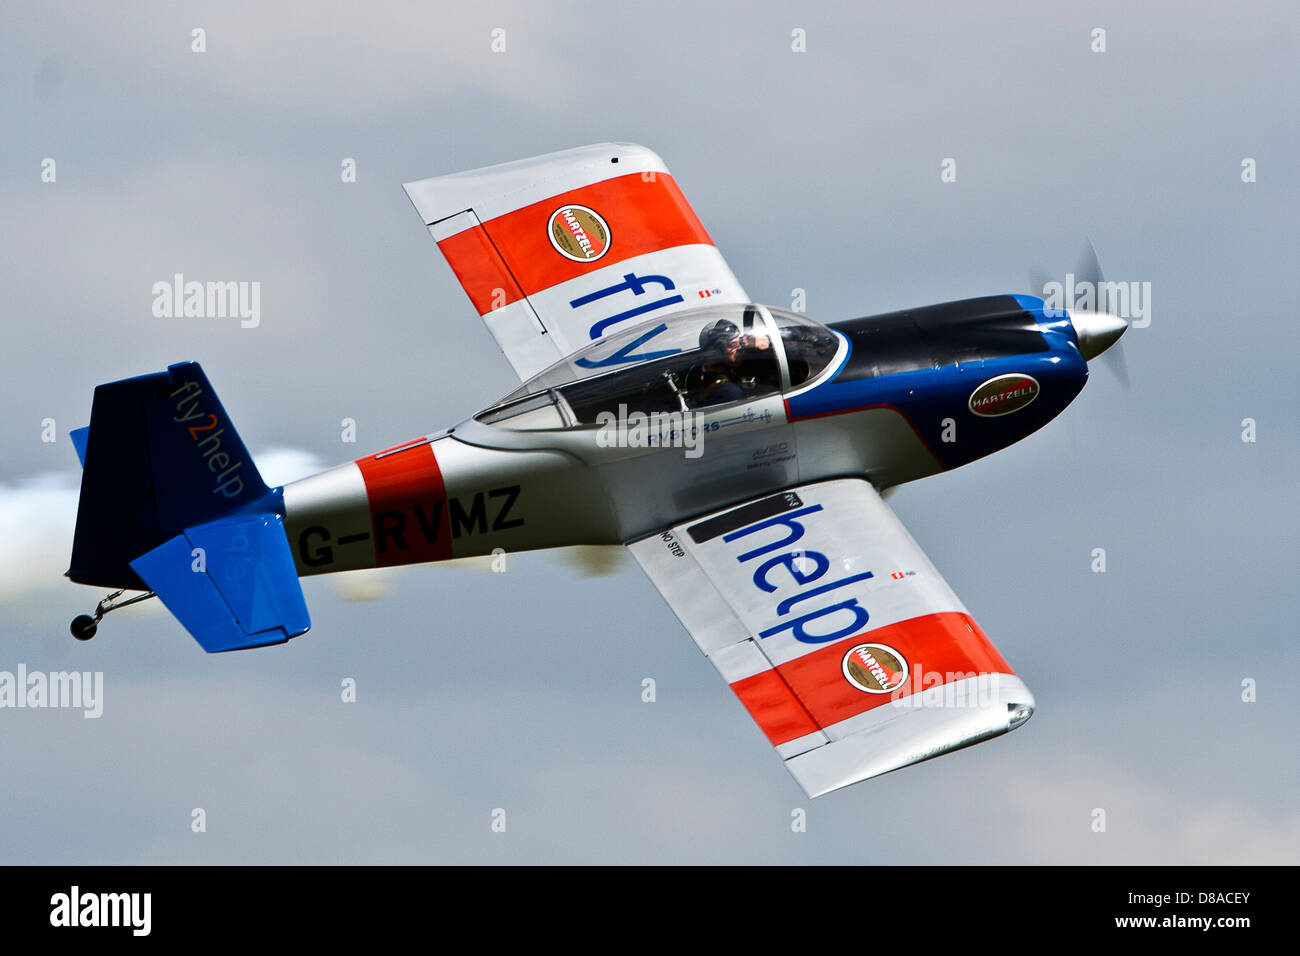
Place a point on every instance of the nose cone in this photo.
(1097, 331)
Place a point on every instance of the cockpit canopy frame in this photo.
(698, 359)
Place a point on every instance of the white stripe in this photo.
(689, 593)
(493, 191)
(689, 269)
(516, 330)
(447, 228)
(334, 499)
(739, 661)
(801, 745)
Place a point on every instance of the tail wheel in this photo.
(84, 627)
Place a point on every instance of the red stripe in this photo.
(939, 648)
(774, 708)
(408, 504)
(511, 256)
(481, 271)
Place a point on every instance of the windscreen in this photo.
(809, 346)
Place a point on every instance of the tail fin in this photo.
(160, 456)
(163, 468)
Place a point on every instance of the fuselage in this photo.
(611, 445)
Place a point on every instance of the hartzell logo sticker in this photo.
(875, 668)
(1004, 395)
(578, 233)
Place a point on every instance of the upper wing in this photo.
(835, 631)
(557, 250)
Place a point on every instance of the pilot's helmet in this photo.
(718, 334)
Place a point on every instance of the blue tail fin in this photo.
(161, 455)
(171, 502)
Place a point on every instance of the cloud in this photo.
(38, 516)
(279, 466)
(335, 66)
(1146, 821)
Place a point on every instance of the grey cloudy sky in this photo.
(815, 170)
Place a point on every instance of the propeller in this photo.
(1112, 345)
(1099, 332)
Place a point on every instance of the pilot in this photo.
(732, 367)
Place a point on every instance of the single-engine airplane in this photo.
(739, 451)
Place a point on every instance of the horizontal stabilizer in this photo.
(231, 583)
(79, 436)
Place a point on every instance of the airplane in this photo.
(739, 451)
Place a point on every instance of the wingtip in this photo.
(916, 728)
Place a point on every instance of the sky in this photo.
(517, 697)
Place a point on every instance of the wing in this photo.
(835, 631)
(557, 250)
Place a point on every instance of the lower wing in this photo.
(836, 632)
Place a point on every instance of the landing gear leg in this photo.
(84, 626)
